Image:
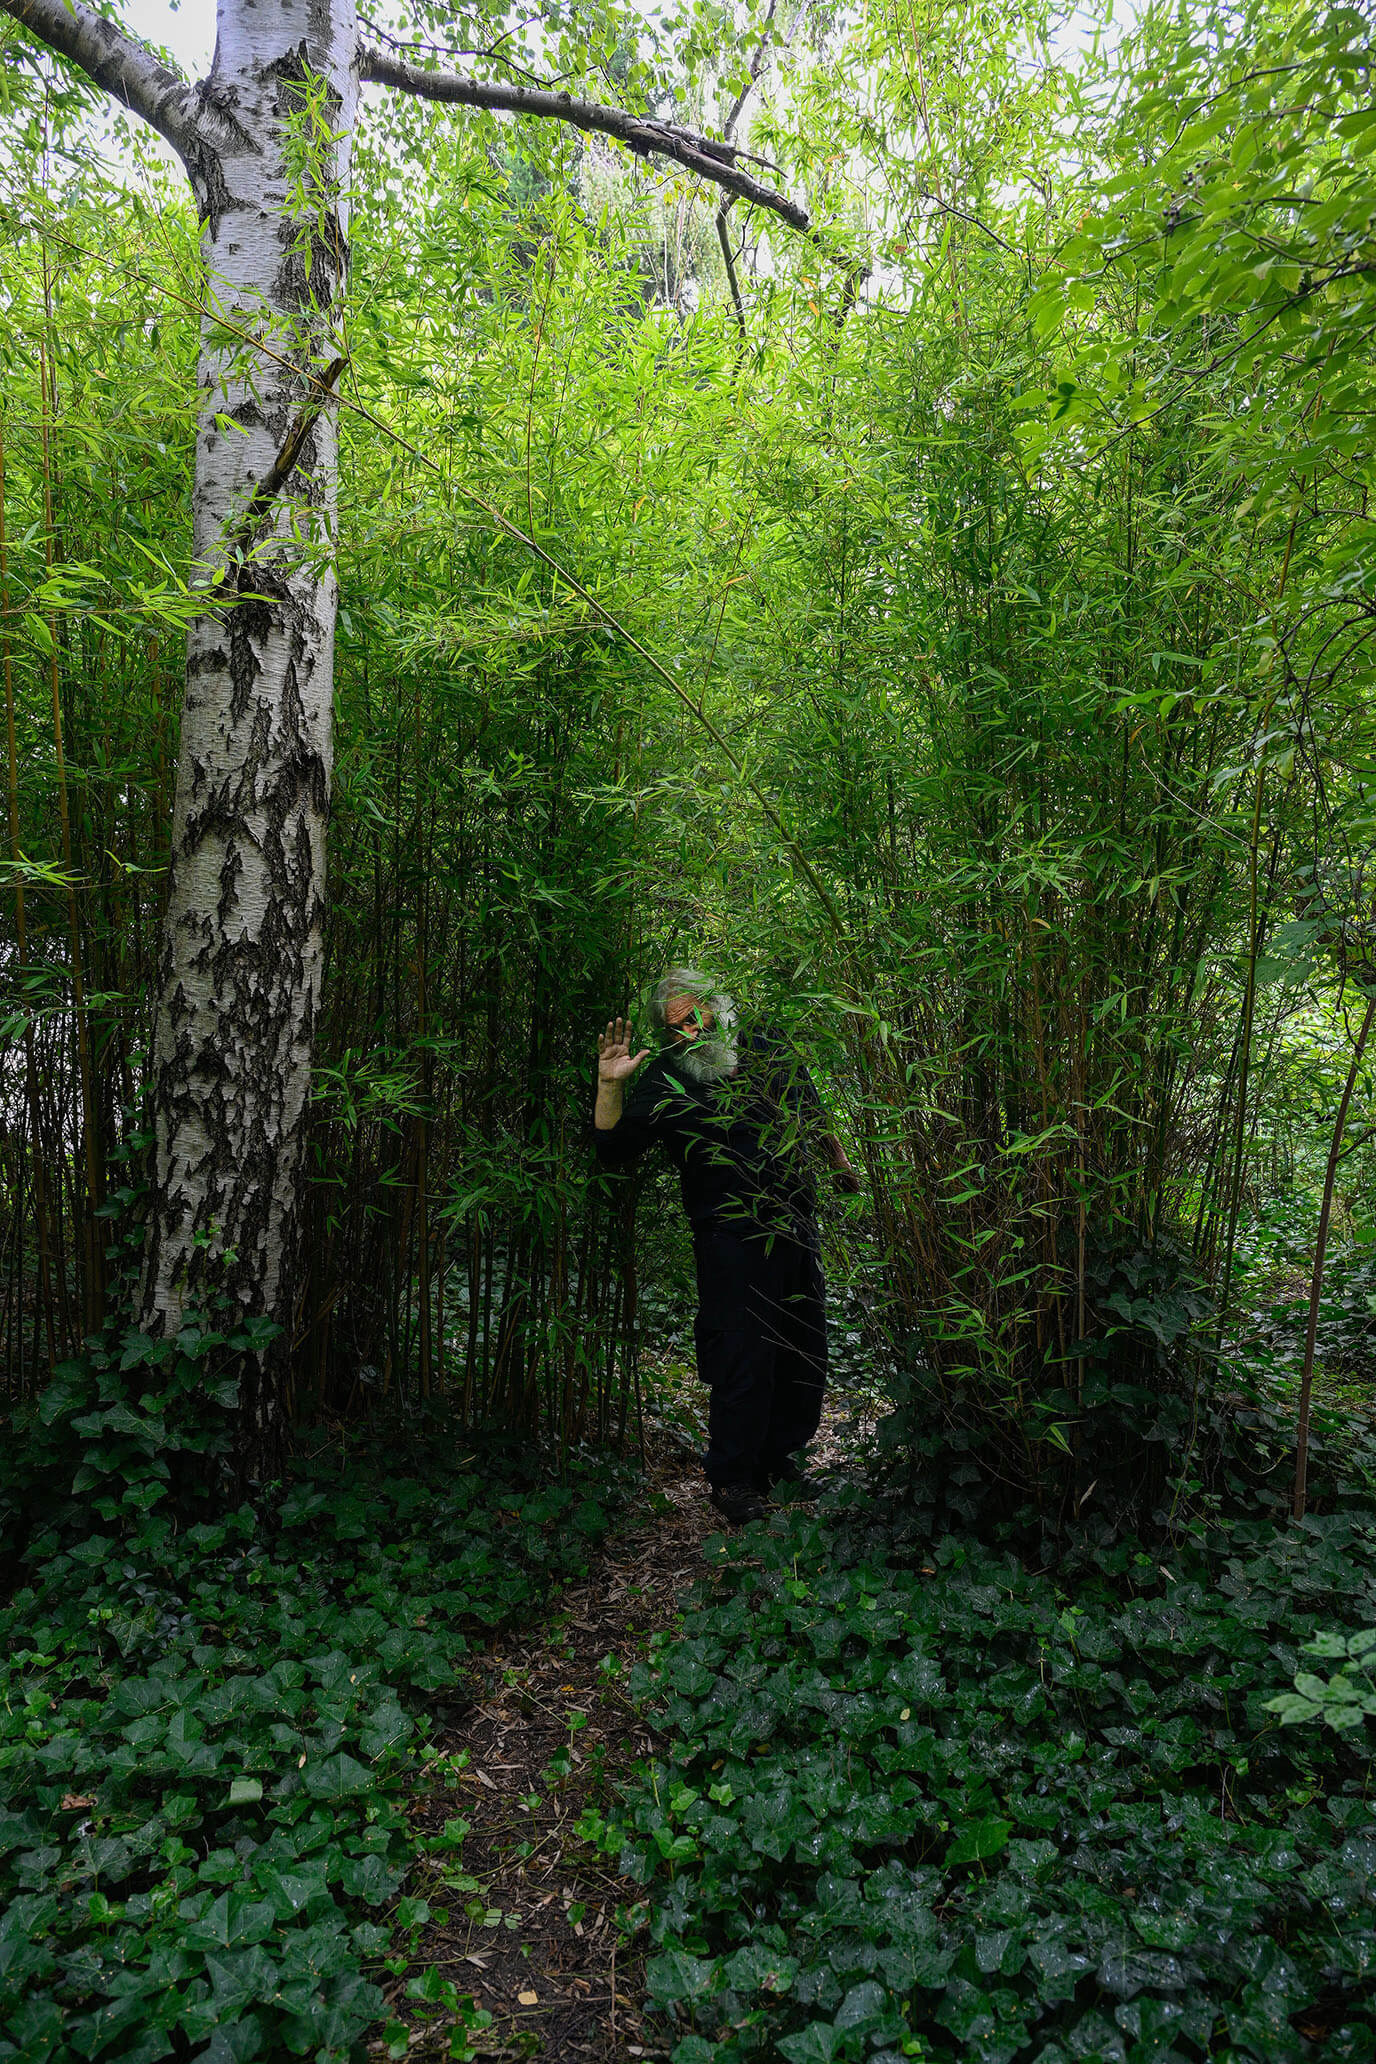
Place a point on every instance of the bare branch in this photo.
(757, 63)
(278, 473)
(729, 261)
(646, 135)
(491, 54)
(126, 68)
(961, 215)
(724, 205)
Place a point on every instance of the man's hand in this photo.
(615, 1066)
(615, 1061)
(845, 1177)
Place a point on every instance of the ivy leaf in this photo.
(978, 1840)
(815, 2044)
(693, 2050)
(338, 1777)
(678, 1976)
(862, 2006)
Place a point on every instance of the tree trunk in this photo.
(242, 950)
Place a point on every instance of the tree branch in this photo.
(646, 135)
(126, 68)
(279, 472)
(729, 261)
(757, 63)
(726, 202)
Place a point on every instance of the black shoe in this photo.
(738, 1504)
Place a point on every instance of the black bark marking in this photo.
(251, 623)
(212, 659)
(231, 868)
(208, 183)
(246, 414)
(315, 258)
(299, 285)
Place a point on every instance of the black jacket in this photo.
(742, 1146)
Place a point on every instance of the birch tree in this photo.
(266, 141)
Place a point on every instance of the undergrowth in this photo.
(939, 1802)
(210, 1730)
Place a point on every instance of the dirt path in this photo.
(534, 1937)
(538, 1944)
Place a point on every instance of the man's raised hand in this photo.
(615, 1061)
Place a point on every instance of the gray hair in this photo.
(678, 981)
(712, 1055)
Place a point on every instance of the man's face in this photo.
(701, 1035)
(686, 1018)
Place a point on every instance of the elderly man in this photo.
(740, 1120)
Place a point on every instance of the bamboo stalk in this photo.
(93, 1275)
(1234, 1198)
(1316, 1278)
(45, 1291)
(423, 1255)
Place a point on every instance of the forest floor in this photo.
(540, 1945)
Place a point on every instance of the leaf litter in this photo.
(542, 1931)
(533, 1931)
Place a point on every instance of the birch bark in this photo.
(242, 951)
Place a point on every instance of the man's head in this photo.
(698, 1022)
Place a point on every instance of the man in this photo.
(738, 1120)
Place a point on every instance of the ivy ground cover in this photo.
(207, 1738)
(931, 1802)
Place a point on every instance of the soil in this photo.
(548, 1940)
(541, 1946)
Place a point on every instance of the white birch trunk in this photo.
(242, 951)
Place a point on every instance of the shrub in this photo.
(209, 1731)
(963, 1810)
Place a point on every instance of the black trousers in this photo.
(761, 1335)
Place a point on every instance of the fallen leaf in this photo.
(528, 1999)
(483, 1778)
(76, 1802)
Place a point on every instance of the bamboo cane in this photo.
(45, 1292)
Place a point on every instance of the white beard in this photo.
(713, 1055)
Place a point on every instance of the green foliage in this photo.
(1010, 732)
(1347, 1697)
(1222, 280)
(210, 1731)
(134, 1421)
(1272, 1308)
(961, 1809)
(1010, 737)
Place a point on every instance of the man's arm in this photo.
(848, 1176)
(611, 1101)
(616, 1139)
